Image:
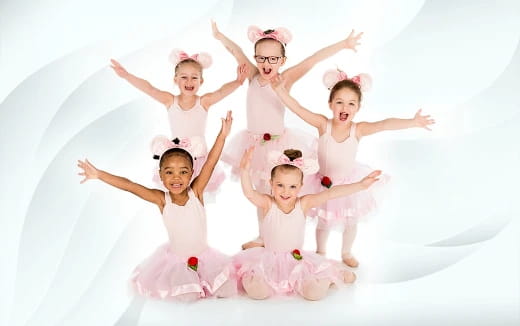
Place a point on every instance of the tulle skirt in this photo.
(348, 210)
(282, 272)
(165, 275)
(260, 168)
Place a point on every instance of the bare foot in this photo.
(349, 277)
(258, 242)
(349, 260)
(321, 253)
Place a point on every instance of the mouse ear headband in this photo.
(333, 76)
(203, 58)
(193, 145)
(307, 165)
(279, 34)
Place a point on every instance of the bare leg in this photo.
(349, 235)
(256, 287)
(349, 277)
(314, 289)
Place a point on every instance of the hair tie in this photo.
(279, 34)
(203, 58)
(333, 76)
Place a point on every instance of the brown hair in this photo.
(176, 152)
(187, 61)
(265, 39)
(347, 83)
(292, 154)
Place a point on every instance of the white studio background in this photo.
(444, 248)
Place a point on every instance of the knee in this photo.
(314, 290)
(256, 288)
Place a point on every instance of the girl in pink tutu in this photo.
(185, 268)
(282, 267)
(337, 148)
(266, 130)
(187, 112)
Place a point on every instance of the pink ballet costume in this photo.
(189, 124)
(166, 274)
(282, 234)
(266, 132)
(338, 162)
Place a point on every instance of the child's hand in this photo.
(278, 83)
(352, 41)
(89, 170)
(245, 163)
(423, 121)
(120, 71)
(226, 124)
(242, 72)
(367, 181)
(216, 33)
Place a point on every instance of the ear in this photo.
(201, 80)
(283, 61)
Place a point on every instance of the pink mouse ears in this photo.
(193, 145)
(203, 58)
(333, 76)
(280, 34)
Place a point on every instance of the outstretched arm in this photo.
(316, 120)
(235, 51)
(293, 74)
(209, 99)
(258, 199)
(315, 200)
(368, 128)
(91, 172)
(165, 98)
(199, 184)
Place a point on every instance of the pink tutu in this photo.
(265, 143)
(284, 273)
(347, 210)
(217, 177)
(165, 275)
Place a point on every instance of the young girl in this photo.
(187, 112)
(185, 268)
(337, 148)
(282, 267)
(266, 129)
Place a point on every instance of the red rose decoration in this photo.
(267, 136)
(193, 262)
(326, 182)
(296, 254)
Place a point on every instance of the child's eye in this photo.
(168, 172)
(293, 187)
(184, 172)
(352, 104)
(339, 102)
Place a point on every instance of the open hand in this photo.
(89, 170)
(278, 83)
(353, 40)
(242, 72)
(370, 179)
(245, 163)
(423, 121)
(226, 124)
(216, 33)
(120, 71)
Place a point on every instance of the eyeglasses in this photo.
(271, 59)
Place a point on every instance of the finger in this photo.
(359, 35)
(351, 33)
(82, 181)
(228, 115)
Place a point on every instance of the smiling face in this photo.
(286, 184)
(344, 105)
(176, 172)
(269, 48)
(188, 76)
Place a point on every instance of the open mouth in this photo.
(189, 88)
(343, 116)
(267, 71)
(285, 197)
(176, 185)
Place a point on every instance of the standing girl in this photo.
(337, 148)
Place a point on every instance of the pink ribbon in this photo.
(184, 56)
(283, 159)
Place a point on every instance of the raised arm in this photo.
(235, 51)
(165, 98)
(260, 200)
(314, 119)
(315, 200)
(418, 121)
(91, 172)
(199, 183)
(209, 99)
(294, 73)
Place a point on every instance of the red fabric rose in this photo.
(193, 263)
(326, 182)
(267, 136)
(296, 254)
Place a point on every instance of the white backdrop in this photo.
(444, 247)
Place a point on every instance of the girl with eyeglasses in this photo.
(266, 130)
